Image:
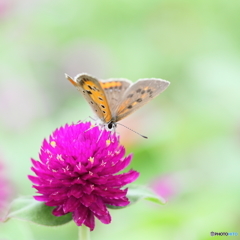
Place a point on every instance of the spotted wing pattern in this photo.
(93, 92)
(137, 95)
(114, 90)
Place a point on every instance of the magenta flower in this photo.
(77, 173)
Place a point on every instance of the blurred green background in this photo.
(192, 154)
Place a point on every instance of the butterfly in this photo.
(116, 98)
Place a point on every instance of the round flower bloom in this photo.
(77, 173)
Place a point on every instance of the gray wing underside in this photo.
(115, 94)
(139, 94)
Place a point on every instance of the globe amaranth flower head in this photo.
(77, 173)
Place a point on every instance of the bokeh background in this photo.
(192, 156)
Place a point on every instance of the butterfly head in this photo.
(111, 125)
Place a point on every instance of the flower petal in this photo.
(106, 218)
(71, 204)
(80, 214)
(89, 221)
(58, 211)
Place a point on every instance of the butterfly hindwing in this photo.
(92, 91)
(114, 90)
(138, 94)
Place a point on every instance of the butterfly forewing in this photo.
(114, 90)
(137, 95)
(93, 92)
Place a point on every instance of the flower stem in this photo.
(83, 233)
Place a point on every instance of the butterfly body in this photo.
(114, 99)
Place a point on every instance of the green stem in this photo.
(83, 233)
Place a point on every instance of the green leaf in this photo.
(28, 209)
(137, 192)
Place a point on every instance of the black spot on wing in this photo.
(150, 92)
(100, 98)
(129, 107)
(102, 106)
(139, 100)
(130, 96)
(89, 92)
(139, 90)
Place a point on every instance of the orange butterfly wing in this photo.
(92, 91)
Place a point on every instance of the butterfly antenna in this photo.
(132, 130)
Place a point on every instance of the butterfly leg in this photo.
(100, 135)
(93, 118)
(91, 128)
(97, 123)
(81, 121)
(114, 131)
